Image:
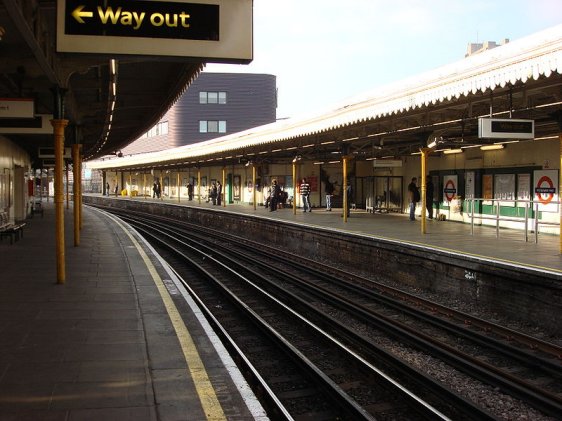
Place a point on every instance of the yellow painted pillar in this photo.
(179, 186)
(344, 187)
(130, 189)
(223, 187)
(294, 188)
(67, 195)
(254, 185)
(58, 132)
(144, 184)
(199, 184)
(424, 153)
(76, 192)
(80, 185)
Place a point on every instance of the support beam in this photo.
(58, 132)
(294, 188)
(254, 185)
(424, 154)
(199, 184)
(76, 193)
(179, 186)
(67, 187)
(223, 198)
(344, 187)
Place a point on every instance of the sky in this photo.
(326, 51)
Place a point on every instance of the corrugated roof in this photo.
(529, 58)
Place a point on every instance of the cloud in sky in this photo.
(323, 51)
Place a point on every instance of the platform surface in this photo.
(102, 346)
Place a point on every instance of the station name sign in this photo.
(506, 128)
(218, 30)
(16, 108)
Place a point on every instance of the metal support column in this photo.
(59, 125)
(199, 184)
(294, 188)
(560, 193)
(67, 186)
(424, 153)
(79, 184)
(345, 198)
(254, 184)
(223, 198)
(58, 132)
(76, 193)
(179, 186)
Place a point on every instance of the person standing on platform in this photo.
(429, 196)
(275, 190)
(414, 197)
(305, 194)
(107, 189)
(154, 190)
(116, 189)
(219, 193)
(158, 189)
(329, 193)
(189, 191)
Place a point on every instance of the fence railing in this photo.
(530, 222)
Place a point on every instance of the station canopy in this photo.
(31, 66)
(521, 80)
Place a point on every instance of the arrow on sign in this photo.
(78, 14)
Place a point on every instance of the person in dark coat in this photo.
(158, 189)
(219, 193)
(189, 191)
(275, 190)
(414, 197)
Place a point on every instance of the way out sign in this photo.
(545, 187)
(217, 30)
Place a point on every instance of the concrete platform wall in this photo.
(520, 293)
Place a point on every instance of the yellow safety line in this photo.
(205, 390)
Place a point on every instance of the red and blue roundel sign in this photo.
(450, 190)
(545, 190)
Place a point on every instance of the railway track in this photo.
(344, 315)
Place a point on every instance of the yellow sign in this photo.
(219, 30)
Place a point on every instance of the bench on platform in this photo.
(13, 230)
(37, 207)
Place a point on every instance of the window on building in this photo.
(212, 97)
(157, 130)
(212, 126)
